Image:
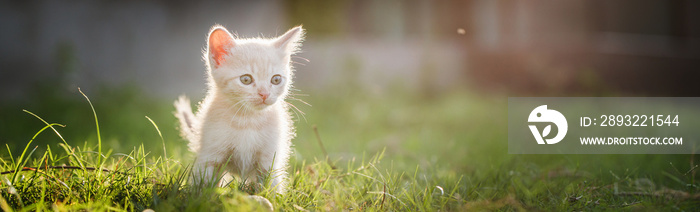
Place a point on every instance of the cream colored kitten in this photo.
(243, 126)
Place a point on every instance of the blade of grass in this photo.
(10, 152)
(71, 152)
(38, 166)
(20, 164)
(24, 163)
(4, 206)
(97, 126)
(165, 153)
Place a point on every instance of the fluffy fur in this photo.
(243, 129)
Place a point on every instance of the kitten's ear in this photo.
(219, 44)
(291, 40)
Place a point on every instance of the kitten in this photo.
(243, 126)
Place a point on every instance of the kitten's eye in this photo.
(276, 79)
(246, 79)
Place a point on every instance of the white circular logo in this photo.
(543, 115)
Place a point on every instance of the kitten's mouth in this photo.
(260, 103)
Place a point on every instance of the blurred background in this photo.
(426, 80)
(529, 48)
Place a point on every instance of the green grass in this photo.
(386, 151)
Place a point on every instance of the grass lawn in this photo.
(385, 151)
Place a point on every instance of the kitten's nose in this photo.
(264, 95)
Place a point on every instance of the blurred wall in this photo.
(155, 44)
(158, 45)
(597, 47)
(541, 47)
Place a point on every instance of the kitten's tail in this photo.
(188, 122)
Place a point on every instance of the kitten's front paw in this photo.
(265, 203)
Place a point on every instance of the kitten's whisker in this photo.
(297, 114)
(303, 115)
(230, 121)
(295, 62)
(307, 60)
(297, 94)
(302, 101)
(293, 92)
(233, 105)
(245, 118)
(236, 113)
(295, 107)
